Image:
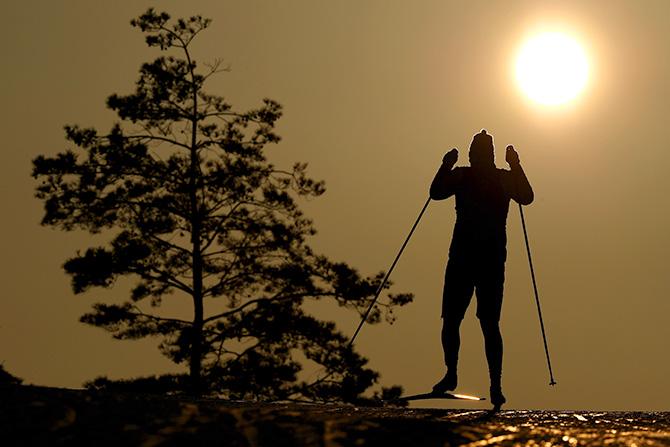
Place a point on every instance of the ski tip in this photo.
(467, 397)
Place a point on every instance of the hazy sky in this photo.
(374, 93)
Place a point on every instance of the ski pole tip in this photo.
(552, 383)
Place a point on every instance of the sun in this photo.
(552, 68)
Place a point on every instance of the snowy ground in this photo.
(50, 416)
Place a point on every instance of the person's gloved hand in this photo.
(512, 156)
(450, 158)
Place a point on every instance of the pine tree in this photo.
(198, 213)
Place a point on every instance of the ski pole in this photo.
(379, 289)
(537, 297)
(388, 274)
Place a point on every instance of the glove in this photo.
(512, 156)
(450, 158)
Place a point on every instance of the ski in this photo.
(425, 396)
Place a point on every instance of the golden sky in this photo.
(374, 92)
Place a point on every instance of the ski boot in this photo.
(497, 398)
(448, 383)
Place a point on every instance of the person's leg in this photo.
(458, 289)
(451, 342)
(493, 346)
(489, 305)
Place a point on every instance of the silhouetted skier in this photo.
(478, 249)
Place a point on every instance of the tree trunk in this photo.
(195, 367)
(198, 311)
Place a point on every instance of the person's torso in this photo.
(482, 204)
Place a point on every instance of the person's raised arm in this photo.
(518, 186)
(445, 181)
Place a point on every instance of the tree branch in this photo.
(163, 278)
(157, 138)
(259, 300)
(156, 318)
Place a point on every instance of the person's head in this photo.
(482, 153)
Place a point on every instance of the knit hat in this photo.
(481, 148)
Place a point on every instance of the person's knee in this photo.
(490, 326)
(451, 323)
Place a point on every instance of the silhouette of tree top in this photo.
(196, 212)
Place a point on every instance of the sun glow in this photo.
(552, 68)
